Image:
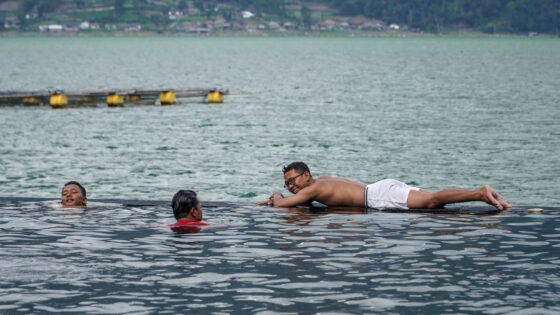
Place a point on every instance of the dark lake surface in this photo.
(116, 259)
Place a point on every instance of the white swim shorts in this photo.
(388, 193)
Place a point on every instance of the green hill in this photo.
(197, 16)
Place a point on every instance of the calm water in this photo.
(435, 113)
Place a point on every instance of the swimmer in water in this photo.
(73, 195)
(188, 212)
(384, 194)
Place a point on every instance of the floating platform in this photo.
(61, 99)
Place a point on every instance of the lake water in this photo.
(433, 112)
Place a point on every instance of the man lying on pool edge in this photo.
(384, 194)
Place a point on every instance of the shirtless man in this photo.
(73, 195)
(387, 193)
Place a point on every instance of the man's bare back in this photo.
(336, 191)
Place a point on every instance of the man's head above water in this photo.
(186, 206)
(73, 195)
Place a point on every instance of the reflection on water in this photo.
(122, 259)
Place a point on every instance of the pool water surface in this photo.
(111, 258)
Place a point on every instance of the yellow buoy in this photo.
(133, 97)
(58, 99)
(32, 100)
(215, 97)
(114, 99)
(167, 98)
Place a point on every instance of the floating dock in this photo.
(61, 99)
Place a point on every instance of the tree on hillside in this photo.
(140, 4)
(41, 7)
(433, 15)
(199, 4)
(25, 7)
(46, 6)
(210, 9)
(119, 6)
(227, 14)
(526, 15)
(306, 17)
(158, 20)
(183, 6)
(275, 7)
(79, 3)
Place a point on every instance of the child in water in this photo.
(187, 211)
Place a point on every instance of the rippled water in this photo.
(435, 113)
(115, 259)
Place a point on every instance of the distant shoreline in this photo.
(233, 34)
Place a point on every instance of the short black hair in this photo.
(299, 167)
(82, 189)
(182, 203)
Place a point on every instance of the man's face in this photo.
(197, 213)
(72, 197)
(295, 181)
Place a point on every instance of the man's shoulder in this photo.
(331, 179)
(337, 181)
(319, 184)
(325, 181)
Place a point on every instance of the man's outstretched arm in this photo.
(270, 201)
(277, 200)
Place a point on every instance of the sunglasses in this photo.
(291, 180)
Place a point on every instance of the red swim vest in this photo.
(187, 226)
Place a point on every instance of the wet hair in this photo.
(299, 167)
(182, 203)
(82, 189)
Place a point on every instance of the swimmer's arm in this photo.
(303, 197)
(265, 203)
(270, 202)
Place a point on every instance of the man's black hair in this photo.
(299, 167)
(182, 203)
(82, 189)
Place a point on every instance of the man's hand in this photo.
(270, 201)
(265, 203)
